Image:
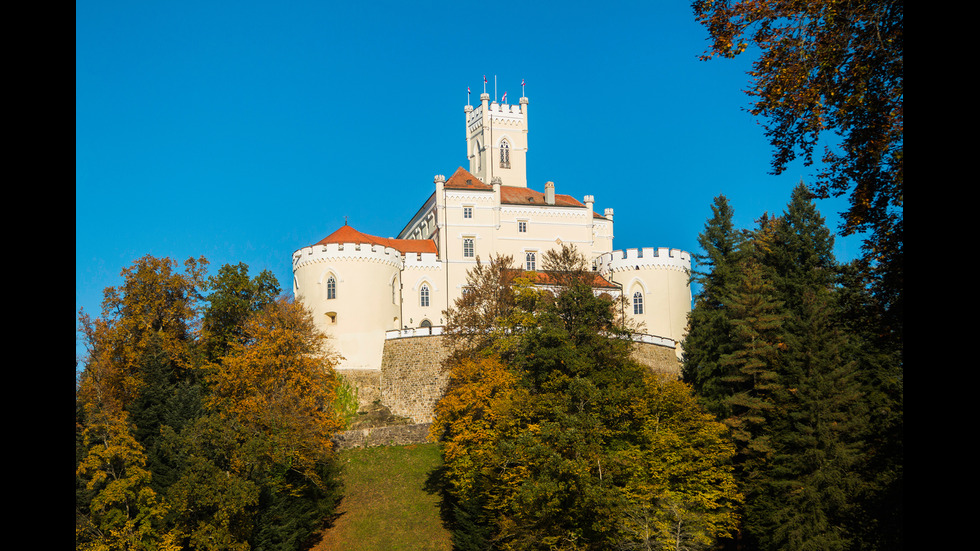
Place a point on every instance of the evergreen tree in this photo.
(709, 323)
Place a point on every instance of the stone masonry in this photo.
(412, 378)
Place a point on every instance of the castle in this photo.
(365, 291)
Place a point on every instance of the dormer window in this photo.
(504, 154)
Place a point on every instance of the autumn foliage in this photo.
(202, 440)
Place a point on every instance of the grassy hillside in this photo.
(386, 505)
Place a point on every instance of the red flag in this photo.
(484, 79)
(503, 99)
(522, 82)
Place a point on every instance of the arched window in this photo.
(424, 296)
(529, 261)
(637, 302)
(425, 323)
(504, 154)
(331, 288)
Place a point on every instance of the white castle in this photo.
(364, 290)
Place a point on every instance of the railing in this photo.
(436, 330)
(414, 332)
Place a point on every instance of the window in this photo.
(425, 323)
(504, 154)
(467, 212)
(424, 296)
(522, 226)
(467, 247)
(529, 260)
(331, 288)
(637, 302)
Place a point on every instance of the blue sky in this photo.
(243, 131)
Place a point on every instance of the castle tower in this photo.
(496, 141)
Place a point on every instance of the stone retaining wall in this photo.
(368, 383)
(395, 435)
(661, 359)
(412, 380)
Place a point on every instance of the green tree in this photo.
(709, 334)
(554, 440)
(232, 298)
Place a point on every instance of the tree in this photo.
(232, 298)
(709, 331)
(155, 302)
(824, 66)
(145, 336)
(277, 387)
(552, 440)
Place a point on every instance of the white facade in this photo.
(359, 286)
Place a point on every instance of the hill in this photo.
(387, 504)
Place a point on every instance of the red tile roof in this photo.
(527, 196)
(347, 234)
(462, 179)
(546, 278)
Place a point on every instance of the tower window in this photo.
(522, 226)
(467, 212)
(529, 260)
(424, 296)
(637, 302)
(504, 154)
(467, 247)
(331, 288)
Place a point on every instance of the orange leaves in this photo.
(279, 387)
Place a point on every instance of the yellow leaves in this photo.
(280, 386)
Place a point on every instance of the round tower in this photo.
(656, 286)
(351, 284)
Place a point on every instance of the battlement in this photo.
(364, 252)
(646, 257)
(421, 260)
(347, 251)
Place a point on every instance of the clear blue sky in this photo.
(243, 131)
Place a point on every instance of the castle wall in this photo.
(412, 379)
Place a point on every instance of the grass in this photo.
(386, 505)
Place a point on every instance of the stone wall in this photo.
(395, 435)
(412, 380)
(368, 383)
(661, 359)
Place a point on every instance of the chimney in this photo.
(549, 193)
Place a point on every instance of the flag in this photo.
(467, 90)
(484, 79)
(503, 99)
(522, 82)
